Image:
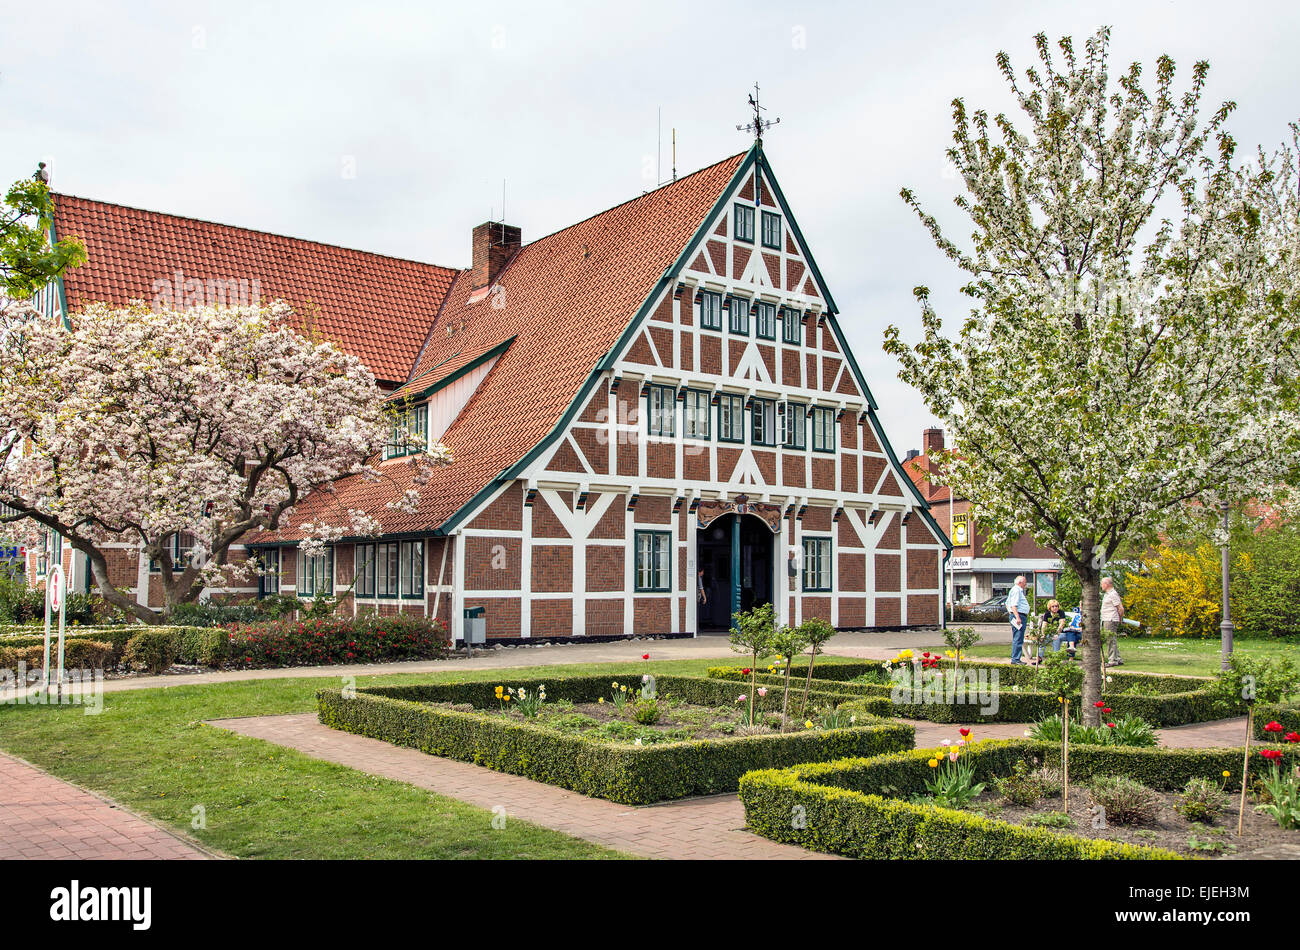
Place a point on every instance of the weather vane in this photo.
(758, 125)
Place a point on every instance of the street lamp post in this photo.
(1226, 628)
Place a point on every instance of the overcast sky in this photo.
(390, 127)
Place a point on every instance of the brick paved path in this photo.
(1200, 735)
(697, 828)
(42, 817)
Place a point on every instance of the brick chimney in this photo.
(494, 244)
(932, 440)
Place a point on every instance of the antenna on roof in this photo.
(659, 147)
(503, 211)
(758, 125)
(674, 154)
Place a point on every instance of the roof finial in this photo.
(41, 174)
(758, 125)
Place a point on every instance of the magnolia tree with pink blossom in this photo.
(138, 425)
(1130, 356)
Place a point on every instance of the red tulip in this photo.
(1111, 725)
(1271, 754)
(964, 732)
(645, 656)
(1292, 737)
(1273, 727)
(1099, 704)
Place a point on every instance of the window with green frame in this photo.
(743, 218)
(661, 410)
(695, 413)
(823, 429)
(412, 569)
(731, 418)
(710, 307)
(653, 560)
(179, 546)
(386, 576)
(771, 229)
(765, 321)
(816, 564)
(763, 419)
(739, 309)
(268, 577)
(316, 574)
(409, 433)
(366, 570)
(791, 326)
(793, 430)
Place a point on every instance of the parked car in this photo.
(995, 608)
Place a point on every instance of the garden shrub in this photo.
(633, 775)
(1169, 701)
(1201, 800)
(1287, 715)
(859, 807)
(150, 651)
(367, 639)
(77, 654)
(1124, 801)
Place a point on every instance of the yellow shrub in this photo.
(1179, 594)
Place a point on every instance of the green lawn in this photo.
(149, 750)
(1189, 657)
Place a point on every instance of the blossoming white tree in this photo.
(1133, 339)
(138, 425)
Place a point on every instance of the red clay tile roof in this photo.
(379, 308)
(568, 298)
(916, 467)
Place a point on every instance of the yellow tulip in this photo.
(934, 763)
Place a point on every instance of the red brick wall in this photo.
(552, 568)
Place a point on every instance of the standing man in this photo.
(1018, 613)
(1112, 612)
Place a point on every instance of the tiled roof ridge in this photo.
(247, 230)
(644, 194)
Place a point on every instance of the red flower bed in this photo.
(336, 640)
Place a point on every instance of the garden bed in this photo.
(864, 807)
(1168, 830)
(465, 721)
(1160, 700)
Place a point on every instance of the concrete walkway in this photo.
(695, 828)
(45, 818)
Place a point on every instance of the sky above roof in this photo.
(391, 128)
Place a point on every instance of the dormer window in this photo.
(744, 223)
(410, 432)
(771, 230)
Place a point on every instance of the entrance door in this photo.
(736, 557)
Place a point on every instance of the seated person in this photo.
(1069, 631)
(1049, 626)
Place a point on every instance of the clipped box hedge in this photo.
(629, 774)
(1177, 707)
(859, 807)
(1287, 715)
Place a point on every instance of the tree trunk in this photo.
(1090, 644)
(99, 569)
